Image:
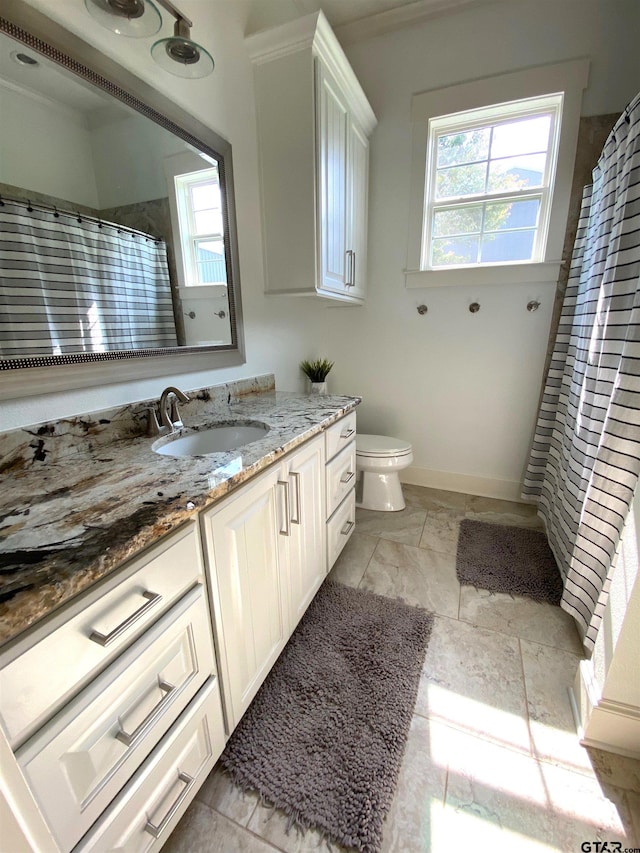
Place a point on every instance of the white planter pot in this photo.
(318, 388)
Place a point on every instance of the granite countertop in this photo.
(81, 496)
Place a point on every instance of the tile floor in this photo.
(492, 760)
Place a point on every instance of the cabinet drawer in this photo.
(341, 477)
(41, 673)
(147, 810)
(340, 527)
(78, 762)
(338, 435)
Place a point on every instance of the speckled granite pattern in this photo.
(80, 496)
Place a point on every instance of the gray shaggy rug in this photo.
(323, 739)
(501, 558)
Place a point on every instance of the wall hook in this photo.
(220, 314)
(474, 307)
(191, 314)
(422, 309)
(533, 305)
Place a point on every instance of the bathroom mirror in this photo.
(132, 200)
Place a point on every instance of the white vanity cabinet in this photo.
(266, 555)
(340, 449)
(314, 123)
(90, 696)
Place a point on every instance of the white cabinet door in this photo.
(306, 557)
(333, 129)
(358, 205)
(249, 595)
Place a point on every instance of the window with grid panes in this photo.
(489, 184)
(201, 227)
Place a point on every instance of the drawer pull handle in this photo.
(129, 739)
(157, 831)
(286, 530)
(104, 639)
(346, 530)
(348, 477)
(347, 434)
(296, 479)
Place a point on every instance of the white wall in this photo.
(128, 153)
(45, 148)
(462, 388)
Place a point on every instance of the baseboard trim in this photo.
(604, 723)
(465, 483)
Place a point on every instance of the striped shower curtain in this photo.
(69, 285)
(585, 458)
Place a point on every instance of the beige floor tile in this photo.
(548, 675)
(503, 512)
(420, 792)
(423, 578)
(404, 526)
(440, 533)
(354, 559)
(219, 793)
(435, 501)
(202, 830)
(521, 617)
(501, 800)
(472, 679)
(274, 826)
(583, 811)
(496, 799)
(617, 770)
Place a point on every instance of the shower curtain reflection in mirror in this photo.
(73, 285)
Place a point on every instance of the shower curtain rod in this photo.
(75, 214)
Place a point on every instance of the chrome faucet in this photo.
(170, 419)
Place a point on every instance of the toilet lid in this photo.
(381, 445)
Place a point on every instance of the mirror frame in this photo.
(27, 377)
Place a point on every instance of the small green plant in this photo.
(316, 370)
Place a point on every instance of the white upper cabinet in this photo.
(314, 123)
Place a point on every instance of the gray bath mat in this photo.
(501, 558)
(324, 738)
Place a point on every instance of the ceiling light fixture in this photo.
(178, 55)
(132, 18)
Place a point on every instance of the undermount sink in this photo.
(215, 439)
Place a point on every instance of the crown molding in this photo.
(313, 33)
(390, 20)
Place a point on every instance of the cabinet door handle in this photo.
(349, 275)
(104, 639)
(348, 477)
(346, 530)
(157, 831)
(128, 739)
(347, 434)
(353, 269)
(296, 479)
(286, 530)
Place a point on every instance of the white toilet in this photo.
(378, 461)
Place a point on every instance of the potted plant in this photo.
(317, 371)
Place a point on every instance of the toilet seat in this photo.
(381, 446)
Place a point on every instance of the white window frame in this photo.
(487, 96)
(189, 237)
(176, 166)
